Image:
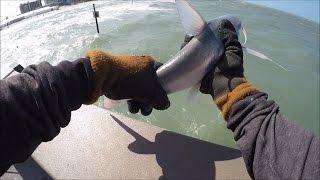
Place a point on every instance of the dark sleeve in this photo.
(273, 147)
(36, 103)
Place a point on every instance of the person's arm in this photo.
(36, 103)
(272, 147)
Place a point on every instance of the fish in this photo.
(188, 67)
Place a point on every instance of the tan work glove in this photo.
(127, 77)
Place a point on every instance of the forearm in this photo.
(272, 147)
(36, 103)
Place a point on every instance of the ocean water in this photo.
(154, 28)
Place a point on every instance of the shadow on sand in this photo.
(179, 156)
(28, 170)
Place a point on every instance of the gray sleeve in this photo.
(36, 103)
(273, 147)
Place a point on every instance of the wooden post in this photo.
(96, 15)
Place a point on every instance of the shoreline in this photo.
(27, 15)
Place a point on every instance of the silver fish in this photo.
(193, 61)
(188, 67)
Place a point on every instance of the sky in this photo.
(308, 9)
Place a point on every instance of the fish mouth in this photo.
(244, 32)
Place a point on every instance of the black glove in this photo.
(227, 75)
(145, 108)
(127, 77)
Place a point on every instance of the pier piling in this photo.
(96, 15)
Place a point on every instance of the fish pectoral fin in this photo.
(191, 20)
(193, 91)
(262, 56)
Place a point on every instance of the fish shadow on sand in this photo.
(179, 156)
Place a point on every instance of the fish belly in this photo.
(189, 65)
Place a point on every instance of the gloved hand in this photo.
(226, 82)
(127, 77)
(145, 108)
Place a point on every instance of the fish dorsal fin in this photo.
(191, 20)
